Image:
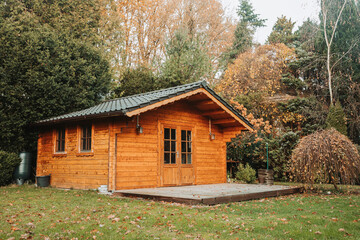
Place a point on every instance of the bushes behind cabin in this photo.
(8, 163)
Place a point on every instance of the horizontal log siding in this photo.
(139, 155)
(135, 162)
(75, 169)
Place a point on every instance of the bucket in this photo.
(43, 181)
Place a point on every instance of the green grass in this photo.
(48, 213)
(325, 188)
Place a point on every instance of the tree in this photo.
(326, 156)
(186, 60)
(258, 70)
(136, 81)
(249, 21)
(337, 119)
(331, 12)
(149, 24)
(282, 32)
(306, 115)
(43, 72)
(76, 18)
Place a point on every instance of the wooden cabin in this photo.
(170, 137)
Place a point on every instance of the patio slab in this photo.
(210, 194)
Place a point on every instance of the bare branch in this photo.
(337, 21)
(350, 48)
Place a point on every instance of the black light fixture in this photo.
(212, 135)
(139, 128)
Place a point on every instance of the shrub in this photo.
(8, 162)
(280, 150)
(251, 148)
(246, 174)
(326, 156)
(337, 118)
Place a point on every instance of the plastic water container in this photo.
(23, 171)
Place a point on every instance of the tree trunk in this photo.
(329, 43)
(329, 75)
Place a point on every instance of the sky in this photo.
(297, 10)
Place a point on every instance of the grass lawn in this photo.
(48, 213)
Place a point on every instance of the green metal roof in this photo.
(120, 106)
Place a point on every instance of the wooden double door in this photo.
(177, 155)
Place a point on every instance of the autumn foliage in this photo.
(148, 24)
(258, 70)
(326, 156)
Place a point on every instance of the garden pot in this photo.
(266, 176)
(43, 181)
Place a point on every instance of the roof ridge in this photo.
(201, 83)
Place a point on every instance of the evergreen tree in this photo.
(282, 32)
(249, 21)
(186, 60)
(337, 118)
(135, 81)
(44, 71)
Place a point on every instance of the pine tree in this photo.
(337, 118)
(249, 21)
(186, 60)
(282, 31)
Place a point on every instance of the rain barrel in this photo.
(23, 171)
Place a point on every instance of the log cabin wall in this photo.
(123, 159)
(139, 156)
(75, 169)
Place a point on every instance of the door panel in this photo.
(170, 176)
(169, 160)
(177, 156)
(187, 175)
(186, 155)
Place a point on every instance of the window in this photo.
(169, 146)
(186, 147)
(85, 143)
(60, 140)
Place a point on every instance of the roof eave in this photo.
(85, 117)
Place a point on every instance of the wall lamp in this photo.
(212, 135)
(139, 128)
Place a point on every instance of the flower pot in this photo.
(266, 176)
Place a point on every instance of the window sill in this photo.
(85, 154)
(60, 154)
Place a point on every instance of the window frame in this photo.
(80, 137)
(186, 142)
(171, 141)
(56, 140)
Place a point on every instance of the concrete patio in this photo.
(210, 194)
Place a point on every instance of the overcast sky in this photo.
(297, 10)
